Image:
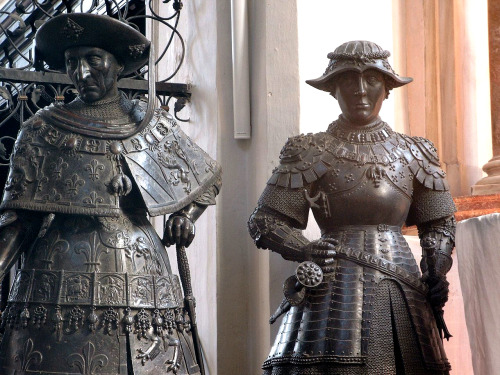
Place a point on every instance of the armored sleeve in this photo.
(429, 205)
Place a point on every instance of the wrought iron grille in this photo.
(24, 90)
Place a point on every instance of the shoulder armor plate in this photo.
(424, 163)
(301, 159)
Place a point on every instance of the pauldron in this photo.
(60, 169)
(306, 158)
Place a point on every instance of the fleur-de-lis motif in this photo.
(57, 167)
(28, 357)
(88, 362)
(93, 199)
(94, 167)
(54, 196)
(73, 184)
(92, 251)
(40, 182)
(50, 247)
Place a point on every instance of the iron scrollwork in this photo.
(24, 90)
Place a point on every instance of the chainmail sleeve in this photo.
(276, 222)
(429, 205)
(290, 204)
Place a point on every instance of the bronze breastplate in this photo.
(370, 194)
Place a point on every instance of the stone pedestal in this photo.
(491, 183)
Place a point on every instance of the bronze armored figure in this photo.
(359, 303)
(95, 293)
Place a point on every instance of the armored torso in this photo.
(362, 185)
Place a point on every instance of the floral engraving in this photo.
(93, 168)
(28, 357)
(92, 251)
(88, 362)
(73, 183)
(51, 246)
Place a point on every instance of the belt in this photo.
(369, 260)
(96, 289)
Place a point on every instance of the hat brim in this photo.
(127, 45)
(325, 82)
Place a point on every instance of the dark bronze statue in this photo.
(95, 293)
(359, 303)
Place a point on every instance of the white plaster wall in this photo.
(198, 27)
(322, 28)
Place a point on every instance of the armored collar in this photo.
(117, 118)
(376, 132)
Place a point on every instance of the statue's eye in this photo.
(372, 79)
(94, 60)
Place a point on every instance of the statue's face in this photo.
(94, 72)
(360, 95)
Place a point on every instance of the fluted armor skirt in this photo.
(96, 295)
(370, 314)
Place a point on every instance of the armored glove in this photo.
(180, 228)
(437, 239)
(322, 252)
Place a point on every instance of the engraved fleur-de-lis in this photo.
(28, 357)
(93, 199)
(51, 246)
(92, 251)
(53, 196)
(40, 182)
(88, 362)
(57, 167)
(73, 183)
(94, 167)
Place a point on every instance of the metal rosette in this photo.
(309, 274)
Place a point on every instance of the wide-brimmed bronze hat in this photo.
(128, 46)
(358, 55)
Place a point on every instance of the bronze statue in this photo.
(359, 303)
(95, 293)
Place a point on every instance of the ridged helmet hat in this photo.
(358, 55)
(126, 44)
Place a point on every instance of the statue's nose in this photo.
(83, 70)
(361, 86)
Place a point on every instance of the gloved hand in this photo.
(179, 230)
(438, 289)
(322, 252)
